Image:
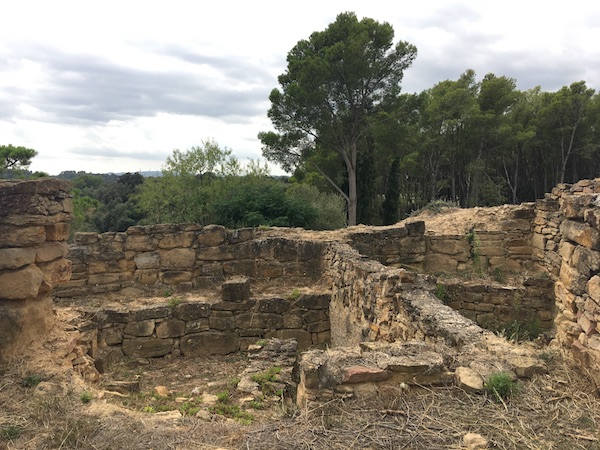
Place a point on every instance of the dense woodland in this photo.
(357, 149)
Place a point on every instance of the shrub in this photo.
(501, 386)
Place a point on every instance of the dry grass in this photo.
(556, 411)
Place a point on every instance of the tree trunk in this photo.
(352, 197)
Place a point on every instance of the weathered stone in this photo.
(318, 327)
(274, 305)
(214, 254)
(209, 343)
(13, 258)
(111, 336)
(190, 311)
(146, 276)
(585, 260)
(22, 283)
(151, 312)
(21, 236)
(415, 228)
(212, 235)
(177, 240)
(440, 263)
(313, 301)
(140, 328)
(146, 347)
(196, 326)
(50, 251)
(139, 243)
(170, 328)
(175, 277)
(527, 367)
(364, 374)
(302, 337)
(56, 272)
(581, 233)
(222, 320)
(573, 280)
(293, 320)
(468, 379)
(147, 260)
(259, 320)
(178, 258)
(236, 290)
(448, 246)
(475, 441)
(58, 231)
(593, 288)
(86, 238)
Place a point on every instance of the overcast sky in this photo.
(115, 86)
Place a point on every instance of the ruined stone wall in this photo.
(158, 258)
(577, 288)
(34, 227)
(492, 305)
(197, 328)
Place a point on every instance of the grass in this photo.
(32, 380)
(86, 397)
(441, 293)
(501, 386)
(173, 302)
(10, 432)
(520, 331)
(294, 295)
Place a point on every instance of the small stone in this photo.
(209, 399)
(475, 441)
(196, 391)
(362, 374)
(162, 391)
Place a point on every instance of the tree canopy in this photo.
(334, 83)
(15, 158)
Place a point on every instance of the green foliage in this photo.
(518, 330)
(32, 380)
(334, 82)
(294, 295)
(330, 207)
(501, 386)
(266, 379)
(15, 158)
(223, 396)
(173, 302)
(86, 397)
(10, 432)
(441, 293)
(474, 249)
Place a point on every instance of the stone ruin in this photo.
(364, 293)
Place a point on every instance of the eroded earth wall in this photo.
(34, 227)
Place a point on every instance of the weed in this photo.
(235, 381)
(10, 432)
(86, 397)
(174, 302)
(32, 380)
(223, 396)
(261, 342)
(498, 275)
(257, 405)
(519, 331)
(232, 411)
(266, 379)
(167, 293)
(442, 293)
(190, 408)
(474, 249)
(294, 295)
(501, 386)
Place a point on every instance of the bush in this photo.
(330, 207)
(501, 386)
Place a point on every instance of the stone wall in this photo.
(196, 328)
(154, 259)
(34, 227)
(492, 305)
(577, 288)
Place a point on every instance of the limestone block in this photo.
(364, 374)
(474, 441)
(13, 258)
(315, 315)
(170, 328)
(259, 320)
(209, 343)
(177, 240)
(100, 279)
(148, 277)
(196, 326)
(585, 260)
(581, 233)
(214, 254)
(146, 347)
(50, 251)
(293, 320)
(151, 312)
(140, 328)
(440, 263)
(416, 228)
(175, 277)
(592, 217)
(111, 336)
(236, 290)
(572, 279)
(574, 206)
(139, 243)
(212, 235)
(11, 236)
(222, 320)
(269, 270)
(147, 260)
(274, 305)
(318, 327)
(468, 379)
(189, 311)
(538, 241)
(85, 238)
(449, 246)
(593, 288)
(313, 301)
(58, 231)
(492, 251)
(178, 258)
(56, 272)
(302, 337)
(21, 284)
(527, 367)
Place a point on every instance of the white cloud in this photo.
(116, 86)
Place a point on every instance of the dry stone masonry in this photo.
(34, 228)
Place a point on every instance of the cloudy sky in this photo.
(115, 86)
